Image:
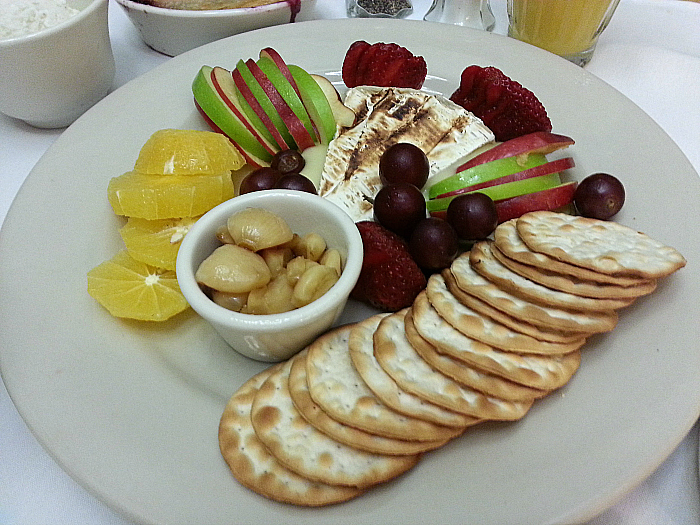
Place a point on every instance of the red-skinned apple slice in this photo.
(539, 142)
(288, 93)
(554, 166)
(273, 55)
(302, 137)
(494, 170)
(545, 200)
(227, 117)
(256, 114)
(504, 191)
(261, 103)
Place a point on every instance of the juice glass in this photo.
(568, 28)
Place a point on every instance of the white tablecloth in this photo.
(650, 52)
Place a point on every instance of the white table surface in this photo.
(650, 52)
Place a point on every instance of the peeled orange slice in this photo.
(155, 242)
(145, 196)
(131, 289)
(188, 152)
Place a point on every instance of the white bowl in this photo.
(174, 31)
(48, 79)
(278, 336)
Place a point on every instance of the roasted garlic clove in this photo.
(233, 269)
(257, 228)
(277, 258)
(297, 267)
(231, 301)
(315, 281)
(223, 236)
(332, 258)
(311, 246)
(274, 298)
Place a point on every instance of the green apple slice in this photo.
(503, 191)
(316, 103)
(485, 172)
(255, 113)
(288, 93)
(273, 55)
(262, 101)
(302, 139)
(543, 169)
(227, 116)
(344, 116)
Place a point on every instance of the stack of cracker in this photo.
(500, 328)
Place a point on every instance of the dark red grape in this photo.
(404, 162)
(296, 181)
(473, 216)
(288, 161)
(398, 207)
(433, 244)
(260, 179)
(599, 196)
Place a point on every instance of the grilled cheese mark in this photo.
(445, 131)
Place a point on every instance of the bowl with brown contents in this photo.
(270, 270)
(172, 27)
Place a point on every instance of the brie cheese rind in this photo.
(445, 131)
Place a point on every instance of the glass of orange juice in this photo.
(568, 28)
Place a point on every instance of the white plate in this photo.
(131, 410)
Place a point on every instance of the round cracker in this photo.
(484, 329)
(483, 262)
(537, 371)
(311, 453)
(603, 246)
(399, 359)
(507, 239)
(351, 436)
(339, 390)
(465, 374)
(255, 468)
(361, 346)
(571, 284)
(518, 324)
(540, 315)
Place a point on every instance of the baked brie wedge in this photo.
(445, 131)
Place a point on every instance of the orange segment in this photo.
(167, 196)
(155, 242)
(188, 152)
(131, 289)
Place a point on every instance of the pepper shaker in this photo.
(379, 8)
(468, 13)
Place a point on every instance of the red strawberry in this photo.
(390, 279)
(502, 104)
(383, 65)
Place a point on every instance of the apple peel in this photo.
(543, 142)
(554, 166)
(301, 136)
(546, 200)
